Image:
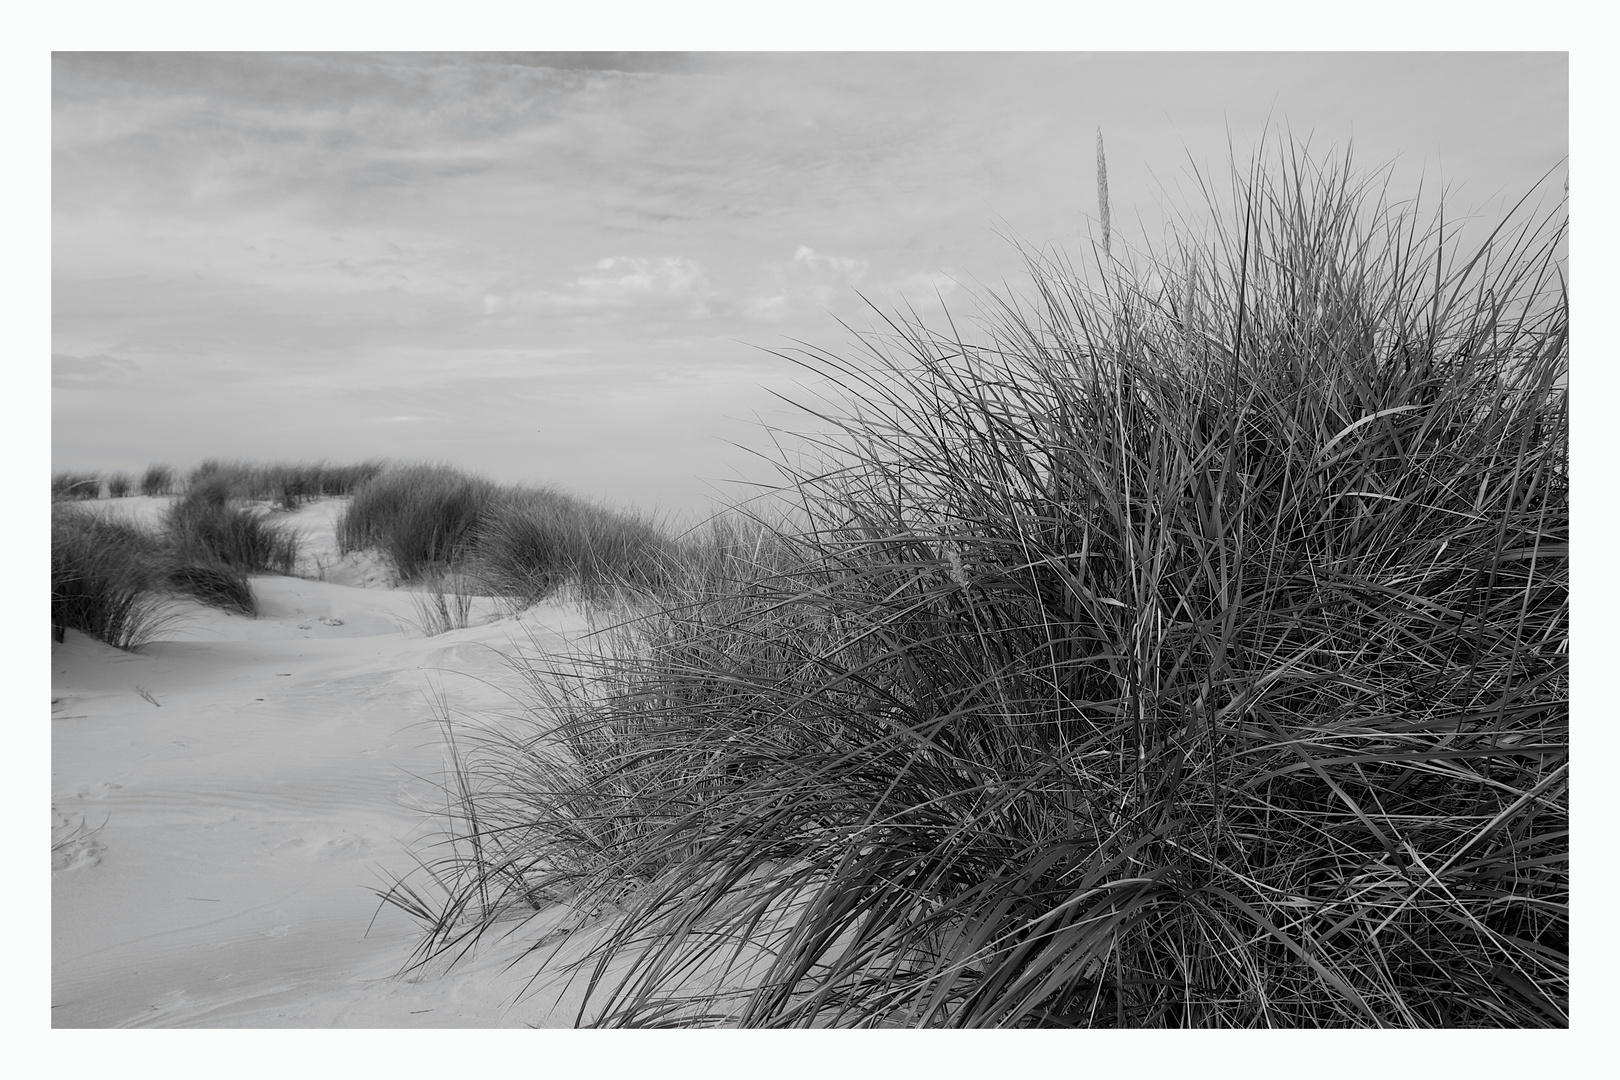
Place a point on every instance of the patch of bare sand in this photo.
(225, 800)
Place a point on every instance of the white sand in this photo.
(243, 784)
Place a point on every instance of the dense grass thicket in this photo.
(1187, 647)
(422, 516)
(157, 480)
(75, 485)
(286, 484)
(205, 526)
(522, 543)
(107, 578)
(115, 580)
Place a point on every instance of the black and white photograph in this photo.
(810, 538)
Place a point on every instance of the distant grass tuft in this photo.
(157, 480)
(288, 485)
(73, 485)
(422, 516)
(517, 542)
(531, 541)
(1190, 649)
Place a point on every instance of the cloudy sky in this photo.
(571, 268)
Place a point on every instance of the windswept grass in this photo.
(521, 543)
(205, 528)
(531, 541)
(106, 578)
(116, 581)
(73, 485)
(157, 480)
(288, 485)
(422, 516)
(1186, 649)
(214, 583)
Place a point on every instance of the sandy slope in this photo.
(240, 785)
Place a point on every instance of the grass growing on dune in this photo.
(287, 484)
(532, 541)
(157, 480)
(205, 527)
(445, 605)
(1187, 649)
(214, 583)
(516, 542)
(422, 516)
(106, 578)
(115, 580)
(73, 485)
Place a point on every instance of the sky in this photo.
(573, 269)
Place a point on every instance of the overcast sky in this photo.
(568, 269)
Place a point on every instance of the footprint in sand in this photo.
(74, 847)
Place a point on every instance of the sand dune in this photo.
(225, 799)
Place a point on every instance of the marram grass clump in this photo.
(519, 543)
(106, 578)
(204, 526)
(1188, 649)
(116, 581)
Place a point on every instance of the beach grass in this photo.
(287, 485)
(213, 582)
(1185, 646)
(115, 580)
(157, 480)
(454, 534)
(75, 485)
(444, 603)
(206, 528)
(532, 541)
(518, 542)
(105, 578)
(422, 516)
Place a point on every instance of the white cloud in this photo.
(851, 269)
(629, 276)
(764, 308)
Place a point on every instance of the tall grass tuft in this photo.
(207, 529)
(74, 485)
(105, 579)
(119, 485)
(157, 480)
(1187, 650)
(214, 583)
(423, 516)
(531, 541)
(516, 542)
